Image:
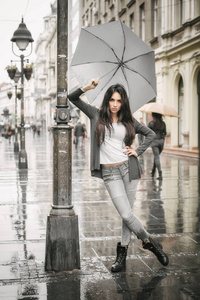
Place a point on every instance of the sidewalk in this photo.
(170, 210)
(181, 152)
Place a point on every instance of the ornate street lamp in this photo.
(22, 37)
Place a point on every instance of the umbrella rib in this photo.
(138, 74)
(104, 43)
(109, 73)
(110, 77)
(105, 73)
(107, 81)
(95, 62)
(125, 77)
(137, 57)
(124, 41)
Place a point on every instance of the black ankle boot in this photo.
(160, 175)
(156, 248)
(120, 262)
(153, 171)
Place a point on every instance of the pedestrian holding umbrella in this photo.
(113, 128)
(159, 127)
(115, 54)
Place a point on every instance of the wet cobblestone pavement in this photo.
(170, 211)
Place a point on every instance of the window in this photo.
(142, 22)
(181, 12)
(196, 8)
(180, 112)
(131, 22)
(178, 13)
(155, 18)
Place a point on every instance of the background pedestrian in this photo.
(78, 133)
(38, 129)
(159, 127)
(34, 129)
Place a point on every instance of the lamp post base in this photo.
(23, 163)
(62, 241)
(16, 147)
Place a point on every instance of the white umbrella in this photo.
(115, 54)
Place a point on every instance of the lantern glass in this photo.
(22, 44)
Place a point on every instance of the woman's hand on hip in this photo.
(130, 151)
(91, 85)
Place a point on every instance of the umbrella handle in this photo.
(93, 83)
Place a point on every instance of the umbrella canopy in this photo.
(159, 108)
(113, 53)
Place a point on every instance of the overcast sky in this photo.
(11, 12)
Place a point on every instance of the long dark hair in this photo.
(124, 116)
(158, 121)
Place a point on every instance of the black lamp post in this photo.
(16, 79)
(62, 237)
(22, 37)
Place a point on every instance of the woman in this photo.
(113, 130)
(159, 127)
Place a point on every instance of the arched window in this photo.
(180, 112)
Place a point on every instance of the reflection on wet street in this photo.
(169, 209)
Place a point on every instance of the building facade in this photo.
(74, 28)
(7, 106)
(45, 71)
(172, 29)
(6, 103)
(178, 71)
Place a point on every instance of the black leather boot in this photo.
(120, 262)
(153, 171)
(156, 248)
(160, 175)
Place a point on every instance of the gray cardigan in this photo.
(93, 114)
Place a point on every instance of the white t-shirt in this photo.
(112, 149)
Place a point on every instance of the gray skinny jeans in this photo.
(122, 192)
